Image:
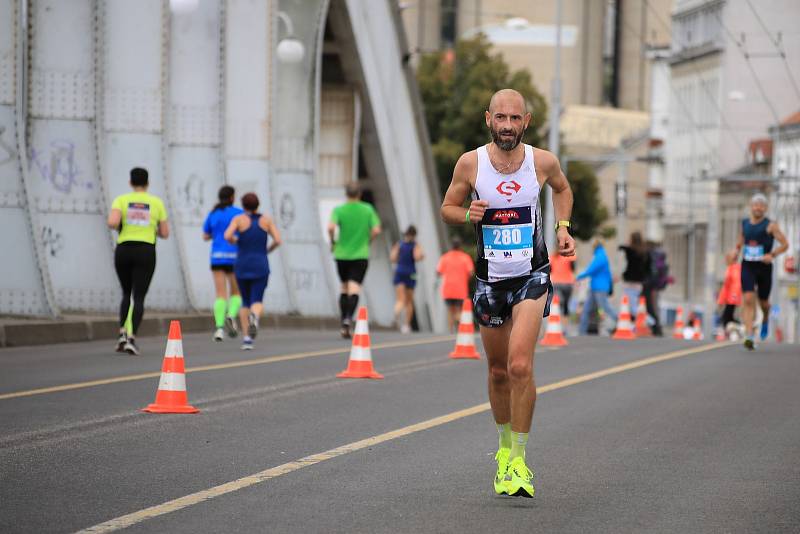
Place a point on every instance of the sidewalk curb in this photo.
(71, 331)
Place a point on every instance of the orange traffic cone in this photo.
(171, 394)
(697, 334)
(642, 330)
(624, 323)
(360, 364)
(465, 339)
(554, 335)
(677, 332)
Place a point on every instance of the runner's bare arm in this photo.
(394, 254)
(332, 233)
(230, 232)
(419, 254)
(374, 232)
(274, 233)
(739, 244)
(777, 234)
(562, 199)
(163, 229)
(114, 218)
(453, 210)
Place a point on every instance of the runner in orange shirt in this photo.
(730, 294)
(455, 267)
(562, 274)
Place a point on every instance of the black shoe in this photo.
(121, 341)
(658, 332)
(749, 344)
(230, 327)
(345, 330)
(131, 348)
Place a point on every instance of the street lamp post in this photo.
(554, 134)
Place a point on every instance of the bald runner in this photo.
(503, 180)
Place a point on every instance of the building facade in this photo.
(730, 79)
(525, 34)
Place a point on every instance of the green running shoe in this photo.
(519, 478)
(502, 467)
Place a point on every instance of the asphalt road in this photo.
(706, 439)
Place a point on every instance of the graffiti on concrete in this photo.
(7, 152)
(52, 241)
(304, 280)
(57, 167)
(192, 195)
(286, 210)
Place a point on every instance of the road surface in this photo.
(652, 435)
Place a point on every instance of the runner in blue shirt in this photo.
(251, 230)
(223, 257)
(756, 243)
(405, 254)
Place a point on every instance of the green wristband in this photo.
(467, 217)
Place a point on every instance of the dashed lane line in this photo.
(134, 518)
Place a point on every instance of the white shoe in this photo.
(219, 334)
(405, 329)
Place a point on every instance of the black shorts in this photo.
(454, 302)
(493, 301)
(352, 270)
(228, 268)
(756, 273)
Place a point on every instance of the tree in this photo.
(588, 212)
(456, 86)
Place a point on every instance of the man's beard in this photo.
(507, 145)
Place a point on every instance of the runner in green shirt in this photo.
(358, 224)
(139, 217)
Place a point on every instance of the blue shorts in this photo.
(757, 274)
(252, 289)
(408, 280)
(493, 301)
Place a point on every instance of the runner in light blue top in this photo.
(223, 256)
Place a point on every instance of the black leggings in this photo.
(135, 262)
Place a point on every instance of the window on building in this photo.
(449, 30)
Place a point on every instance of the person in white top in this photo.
(513, 289)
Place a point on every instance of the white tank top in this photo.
(510, 240)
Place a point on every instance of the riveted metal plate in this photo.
(132, 66)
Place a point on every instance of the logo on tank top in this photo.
(504, 216)
(508, 188)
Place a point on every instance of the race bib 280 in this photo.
(507, 234)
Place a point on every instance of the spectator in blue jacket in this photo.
(599, 271)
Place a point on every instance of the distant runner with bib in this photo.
(358, 225)
(405, 255)
(755, 241)
(456, 268)
(513, 289)
(223, 257)
(251, 231)
(138, 217)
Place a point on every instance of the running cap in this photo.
(759, 198)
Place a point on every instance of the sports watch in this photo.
(559, 224)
